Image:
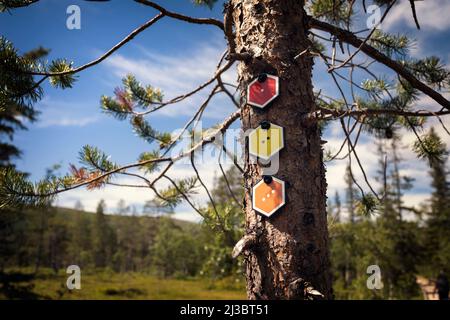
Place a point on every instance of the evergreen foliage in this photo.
(17, 95)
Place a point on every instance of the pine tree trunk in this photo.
(291, 249)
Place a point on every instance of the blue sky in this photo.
(74, 115)
(176, 57)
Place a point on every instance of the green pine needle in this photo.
(367, 205)
(146, 156)
(95, 159)
(430, 147)
(63, 81)
(173, 196)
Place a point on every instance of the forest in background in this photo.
(47, 240)
(405, 242)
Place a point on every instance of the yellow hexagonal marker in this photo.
(266, 140)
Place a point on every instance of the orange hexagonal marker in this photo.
(266, 140)
(268, 197)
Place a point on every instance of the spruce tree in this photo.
(104, 237)
(338, 207)
(18, 93)
(437, 240)
(350, 195)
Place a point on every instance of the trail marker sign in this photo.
(268, 195)
(266, 140)
(262, 90)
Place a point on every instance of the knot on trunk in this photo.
(245, 243)
(301, 289)
(245, 56)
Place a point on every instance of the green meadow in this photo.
(21, 284)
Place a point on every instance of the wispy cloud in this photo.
(206, 165)
(66, 122)
(432, 15)
(209, 170)
(56, 113)
(367, 152)
(181, 72)
(177, 74)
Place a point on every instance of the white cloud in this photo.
(432, 15)
(66, 122)
(206, 164)
(113, 194)
(367, 152)
(175, 74)
(178, 74)
(209, 169)
(56, 113)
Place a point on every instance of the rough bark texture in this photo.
(292, 246)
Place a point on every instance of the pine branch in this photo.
(350, 38)
(181, 17)
(182, 193)
(16, 190)
(228, 27)
(431, 147)
(352, 149)
(184, 96)
(14, 4)
(363, 43)
(127, 39)
(371, 112)
(414, 13)
(213, 203)
(227, 182)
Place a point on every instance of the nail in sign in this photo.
(268, 197)
(266, 140)
(262, 90)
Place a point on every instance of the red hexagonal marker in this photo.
(262, 90)
(268, 196)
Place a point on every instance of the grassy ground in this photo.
(21, 284)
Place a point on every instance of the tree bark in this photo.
(291, 250)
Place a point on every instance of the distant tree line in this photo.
(403, 241)
(55, 238)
